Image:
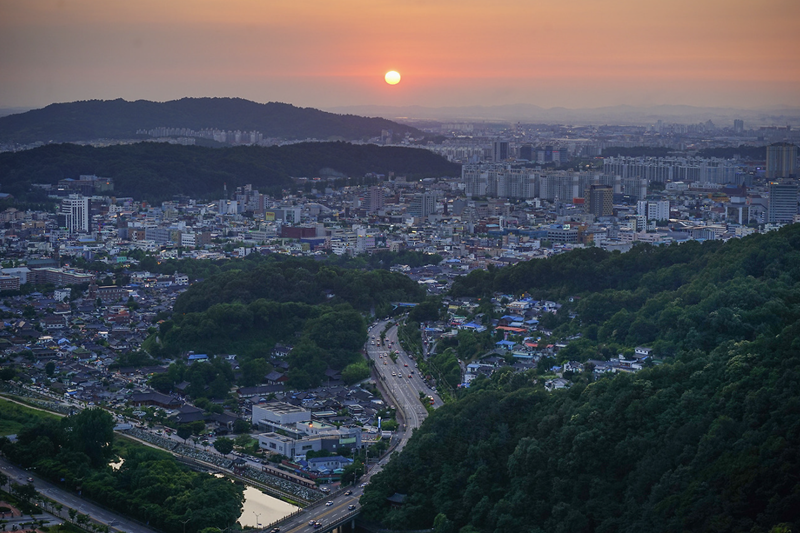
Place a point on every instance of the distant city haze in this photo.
(318, 53)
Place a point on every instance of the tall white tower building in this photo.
(75, 210)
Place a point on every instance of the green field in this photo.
(14, 416)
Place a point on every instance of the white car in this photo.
(329, 503)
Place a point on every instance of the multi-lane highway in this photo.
(399, 377)
(401, 381)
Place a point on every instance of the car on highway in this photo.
(351, 507)
(328, 503)
(317, 525)
(348, 493)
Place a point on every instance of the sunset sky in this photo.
(324, 53)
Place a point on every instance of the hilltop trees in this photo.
(703, 442)
(318, 308)
(149, 486)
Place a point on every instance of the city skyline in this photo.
(576, 54)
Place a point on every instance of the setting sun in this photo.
(392, 77)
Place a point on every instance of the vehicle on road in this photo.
(30, 480)
(348, 493)
(351, 507)
(328, 503)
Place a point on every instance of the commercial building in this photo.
(75, 213)
(276, 414)
(600, 200)
(782, 201)
(58, 277)
(653, 210)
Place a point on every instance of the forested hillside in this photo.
(150, 486)
(156, 171)
(95, 119)
(707, 441)
(316, 308)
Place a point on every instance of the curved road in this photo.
(404, 393)
(400, 380)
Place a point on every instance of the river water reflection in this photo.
(267, 508)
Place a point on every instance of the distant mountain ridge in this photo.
(96, 119)
(620, 114)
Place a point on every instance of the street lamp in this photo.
(258, 523)
(184, 524)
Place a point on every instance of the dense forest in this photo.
(317, 308)
(157, 171)
(95, 119)
(149, 486)
(708, 440)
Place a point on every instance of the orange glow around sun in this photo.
(392, 77)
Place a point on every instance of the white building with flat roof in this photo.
(279, 414)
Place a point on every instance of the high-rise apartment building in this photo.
(636, 188)
(781, 161)
(667, 169)
(375, 200)
(422, 205)
(75, 212)
(499, 151)
(782, 201)
(600, 200)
